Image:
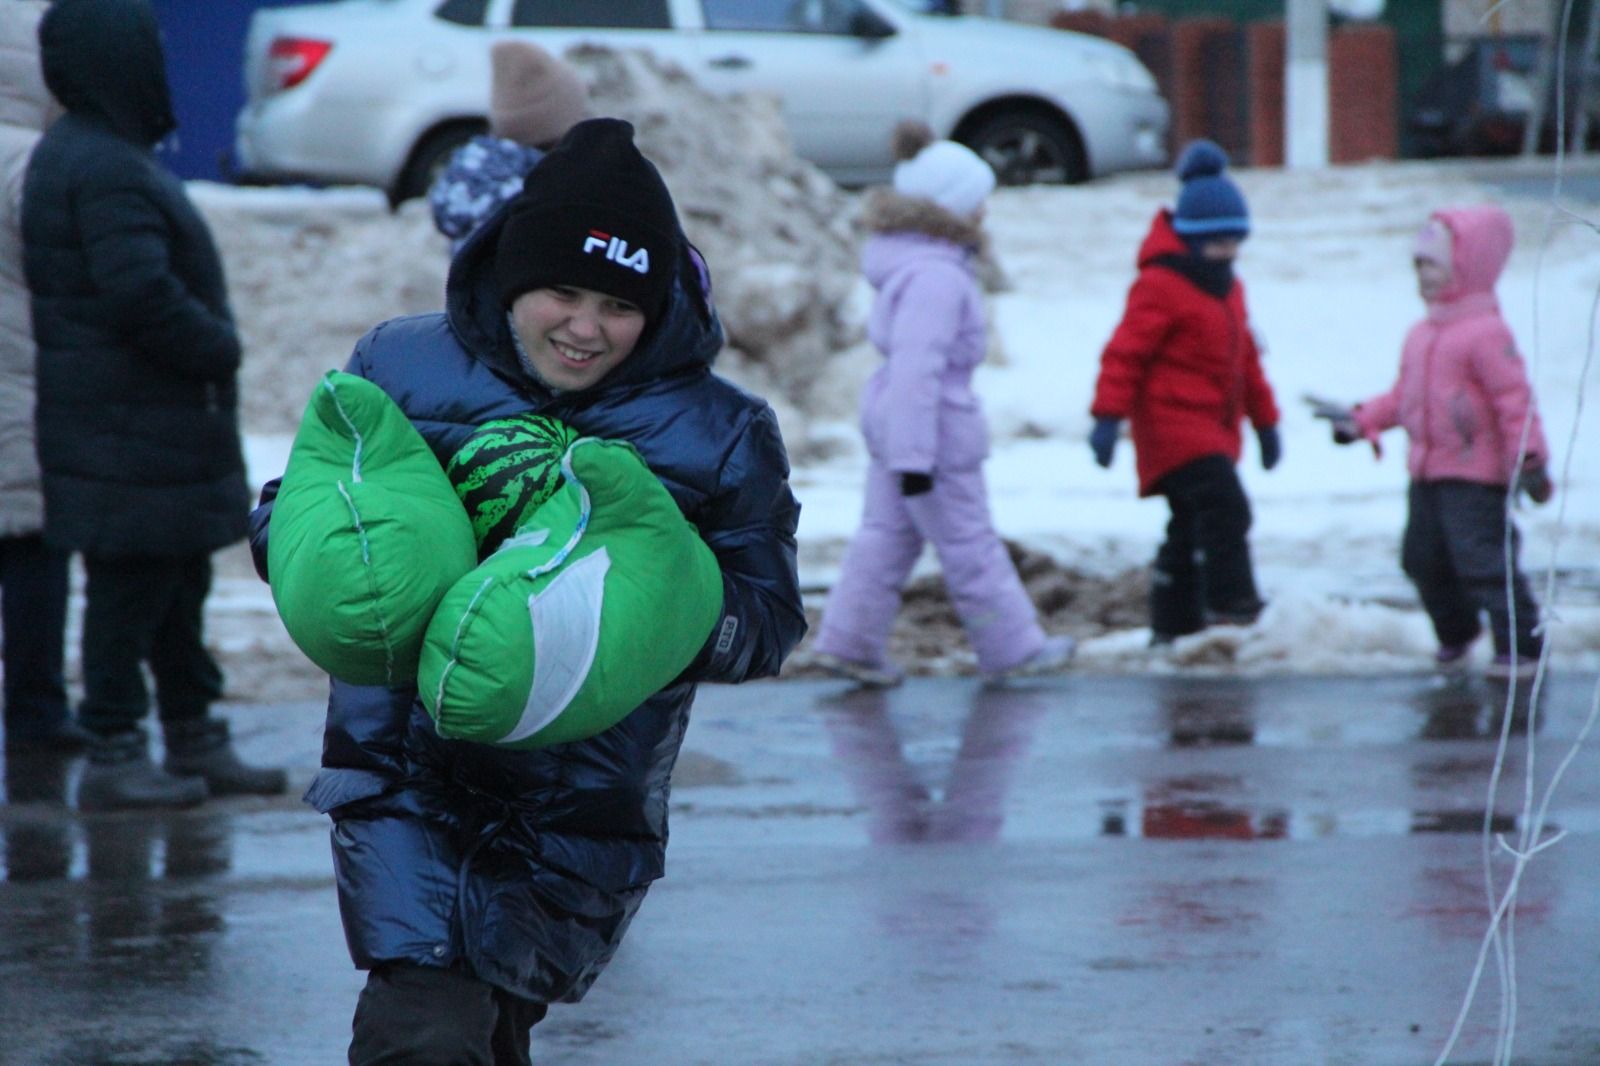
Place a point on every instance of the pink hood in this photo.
(1481, 239)
(1463, 394)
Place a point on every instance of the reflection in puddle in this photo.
(1207, 804)
(1470, 707)
(902, 808)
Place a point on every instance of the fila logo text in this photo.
(616, 250)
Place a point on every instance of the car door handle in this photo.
(730, 62)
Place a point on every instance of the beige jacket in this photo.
(25, 109)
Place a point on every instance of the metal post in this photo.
(1544, 81)
(1585, 103)
(1305, 85)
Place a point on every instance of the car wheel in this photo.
(429, 157)
(1029, 148)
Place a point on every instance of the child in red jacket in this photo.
(1183, 370)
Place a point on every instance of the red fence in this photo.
(1224, 80)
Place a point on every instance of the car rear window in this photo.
(466, 12)
(608, 14)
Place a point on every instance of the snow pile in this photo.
(310, 272)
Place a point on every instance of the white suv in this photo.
(379, 92)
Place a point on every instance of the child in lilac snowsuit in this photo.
(534, 98)
(1464, 400)
(926, 435)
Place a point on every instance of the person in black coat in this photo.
(479, 884)
(138, 432)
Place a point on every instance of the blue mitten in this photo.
(1103, 439)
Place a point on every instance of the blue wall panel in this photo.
(204, 43)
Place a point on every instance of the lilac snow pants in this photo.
(995, 610)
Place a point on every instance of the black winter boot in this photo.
(121, 777)
(202, 748)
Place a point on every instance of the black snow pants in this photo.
(411, 1015)
(1454, 552)
(1203, 572)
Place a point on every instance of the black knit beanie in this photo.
(595, 214)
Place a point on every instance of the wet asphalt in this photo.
(1122, 871)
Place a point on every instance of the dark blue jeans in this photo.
(139, 610)
(33, 616)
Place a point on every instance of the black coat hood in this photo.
(102, 60)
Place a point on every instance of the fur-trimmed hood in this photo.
(887, 211)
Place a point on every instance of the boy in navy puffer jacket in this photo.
(480, 884)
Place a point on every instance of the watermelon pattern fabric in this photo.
(506, 469)
(367, 535)
(604, 595)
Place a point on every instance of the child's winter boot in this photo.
(1053, 656)
(1501, 668)
(868, 675)
(1453, 658)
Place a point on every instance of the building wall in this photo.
(1474, 18)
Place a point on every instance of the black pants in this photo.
(424, 1016)
(1454, 552)
(1204, 564)
(33, 622)
(139, 610)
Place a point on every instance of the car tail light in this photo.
(290, 60)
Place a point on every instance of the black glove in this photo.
(1103, 439)
(915, 484)
(1535, 481)
(1271, 446)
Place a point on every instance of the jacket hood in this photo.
(887, 211)
(1162, 240)
(102, 59)
(688, 335)
(1481, 239)
(906, 230)
(24, 101)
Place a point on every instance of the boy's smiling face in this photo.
(574, 337)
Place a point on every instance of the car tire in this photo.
(429, 157)
(1029, 147)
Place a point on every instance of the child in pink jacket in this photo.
(1464, 400)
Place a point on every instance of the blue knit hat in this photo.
(1210, 204)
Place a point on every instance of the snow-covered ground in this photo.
(1331, 294)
